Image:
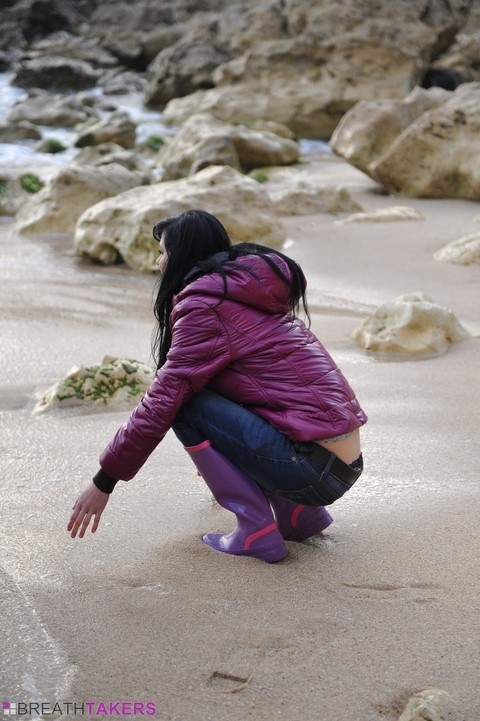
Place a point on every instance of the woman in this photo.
(267, 417)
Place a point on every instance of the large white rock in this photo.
(464, 251)
(204, 140)
(113, 384)
(436, 156)
(410, 324)
(368, 130)
(67, 193)
(120, 228)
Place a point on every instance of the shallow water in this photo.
(149, 122)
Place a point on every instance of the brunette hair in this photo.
(197, 243)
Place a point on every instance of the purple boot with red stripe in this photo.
(257, 532)
(297, 522)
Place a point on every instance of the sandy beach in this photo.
(352, 623)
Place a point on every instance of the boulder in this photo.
(204, 140)
(13, 132)
(120, 228)
(307, 198)
(385, 215)
(293, 192)
(56, 74)
(67, 193)
(464, 251)
(462, 57)
(368, 130)
(13, 194)
(306, 64)
(121, 82)
(37, 19)
(114, 384)
(107, 153)
(117, 128)
(183, 67)
(62, 111)
(437, 155)
(411, 325)
(64, 44)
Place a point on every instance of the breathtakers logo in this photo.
(86, 708)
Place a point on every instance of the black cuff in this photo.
(104, 482)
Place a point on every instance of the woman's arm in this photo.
(200, 349)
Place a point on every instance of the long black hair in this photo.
(197, 243)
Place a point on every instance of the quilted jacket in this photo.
(247, 347)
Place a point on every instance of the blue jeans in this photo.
(275, 462)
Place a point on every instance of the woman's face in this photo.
(163, 257)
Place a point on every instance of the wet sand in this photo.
(351, 624)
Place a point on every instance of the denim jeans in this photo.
(258, 449)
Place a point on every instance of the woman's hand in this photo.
(90, 503)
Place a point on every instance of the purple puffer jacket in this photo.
(248, 348)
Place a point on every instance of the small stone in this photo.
(425, 706)
(464, 251)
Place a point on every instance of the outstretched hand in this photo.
(90, 504)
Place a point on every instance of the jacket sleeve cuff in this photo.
(104, 482)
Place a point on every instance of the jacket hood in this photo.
(250, 281)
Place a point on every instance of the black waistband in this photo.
(341, 470)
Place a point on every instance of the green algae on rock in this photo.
(113, 384)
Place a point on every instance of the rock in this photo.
(462, 58)
(12, 132)
(39, 19)
(64, 44)
(411, 325)
(273, 127)
(385, 215)
(55, 74)
(436, 156)
(294, 194)
(184, 67)
(120, 228)
(306, 64)
(425, 706)
(13, 195)
(63, 111)
(204, 141)
(70, 191)
(108, 153)
(306, 199)
(114, 384)
(116, 128)
(50, 145)
(368, 130)
(464, 251)
(121, 82)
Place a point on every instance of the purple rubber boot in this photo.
(257, 533)
(297, 522)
